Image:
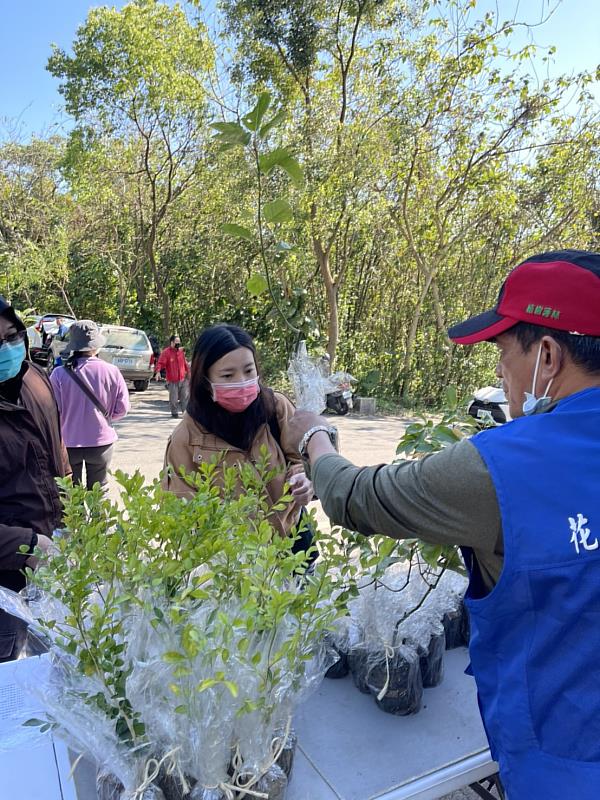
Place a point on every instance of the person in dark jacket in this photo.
(32, 455)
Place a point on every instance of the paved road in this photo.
(144, 432)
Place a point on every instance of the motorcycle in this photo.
(489, 406)
(340, 399)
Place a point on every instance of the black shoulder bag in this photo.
(87, 392)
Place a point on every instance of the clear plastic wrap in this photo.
(310, 380)
(432, 661)
(180, 750)
(177, 665)
(395, 630)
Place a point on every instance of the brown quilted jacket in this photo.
(190, 445)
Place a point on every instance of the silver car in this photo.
(128, 349)
(45, 344)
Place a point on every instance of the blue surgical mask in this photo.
(533, 403)
(11, 358)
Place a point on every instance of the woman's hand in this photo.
(302, 488)
(44, 543)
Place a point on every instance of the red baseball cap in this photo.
(558, 290)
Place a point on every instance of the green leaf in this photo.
(281, 157)
(231, 133)
(294, 170)
(35, 723)
(253, 119)
(272, 123)
(172, 657)
(238, 231)
(256, 285)
(232, 688)
(268, 161)
(277, 211)
(206, 684)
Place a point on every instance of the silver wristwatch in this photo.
(331, 432)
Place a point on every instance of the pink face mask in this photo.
(235, 397)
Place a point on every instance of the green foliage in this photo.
(205, 585)
(269, 215)
(369, 383)
(380, 182)
(429, 436)
(143, 59)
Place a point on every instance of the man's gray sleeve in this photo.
(445, 498)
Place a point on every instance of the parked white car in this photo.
(130, 350)
(489, 405)
(45, 345)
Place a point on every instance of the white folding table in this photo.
(30, 768)
(347, 748)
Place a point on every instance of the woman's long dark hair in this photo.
(240, 429)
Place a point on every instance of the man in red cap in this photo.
(523, 502)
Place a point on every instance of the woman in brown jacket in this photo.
(231, 415)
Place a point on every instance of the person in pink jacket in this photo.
(90, 395)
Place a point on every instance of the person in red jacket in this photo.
(173, 361)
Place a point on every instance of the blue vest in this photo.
(535, 638)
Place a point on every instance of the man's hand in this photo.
(302, 488)
(157, 376)
(293, 430)
(44, 543)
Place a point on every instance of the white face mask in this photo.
(533, 403)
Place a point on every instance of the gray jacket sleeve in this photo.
(445, 498)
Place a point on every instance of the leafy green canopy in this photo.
(144, 59)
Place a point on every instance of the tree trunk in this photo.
(441, 323)
(122, 295)
(331, 295)
(412, 335)
(66, 299)
(160, 287)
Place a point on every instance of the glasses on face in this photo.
(14, 338)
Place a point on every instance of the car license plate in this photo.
(124, 362)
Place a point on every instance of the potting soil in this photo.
(273, 783)
(358, 665)
(402, 673)
(108, 786)
(286, 756)
(452, 628)
(432, 662)
(171, 785)
(340, 669)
